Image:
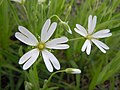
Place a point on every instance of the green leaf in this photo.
(110, 69)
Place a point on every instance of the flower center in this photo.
(89, 37)
(41, 46)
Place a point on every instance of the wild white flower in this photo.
(41, 46)
(73, 71)
(19, 1)
(91, 36)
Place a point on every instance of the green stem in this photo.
(57, 18)
(63, 22)
(76, 39)
(46, 84)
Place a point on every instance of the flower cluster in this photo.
(42, 45)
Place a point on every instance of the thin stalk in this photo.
(46, 84)
(57, 18)
(76, 39)
(63, 22)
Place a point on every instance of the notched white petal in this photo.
(103, 31)
(84, 45)
(58, 46)
(45, 29)
(102, 34)
(28, 34)
(94, 23)
(50, 31)
(89, 24)
(29, 58)
(81, 30)
(100, 45)
(32, 59)
(88, 50)
(57, 41)
(47, 61)
(24, 39)
(53, 60)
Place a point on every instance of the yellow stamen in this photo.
(41, 46)
(89, 37)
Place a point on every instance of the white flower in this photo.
(41, 46)
(73, 71)
(91, 36)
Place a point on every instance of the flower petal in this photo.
(51, 30)
(57, 41)
(100, 45)
(102, 34)
(46, 61)
(53, 59)
(24, 39)
(45, 29)
(103, 31)
(86, 46)
(80, 30)
(29, 58)
(26, 56)
(94, 23)
(58, 46)
(48, 31)
(28, 34)
(88, 50)
(91, 24)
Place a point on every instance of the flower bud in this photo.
(73, 71)
(66, 26)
